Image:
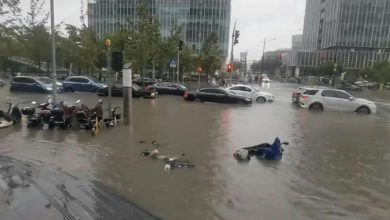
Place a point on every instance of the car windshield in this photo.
(45, 80)
(210, 94)
(136, 87)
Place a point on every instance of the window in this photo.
(310, 92)
(79, 80)
(341, 95)
(24, 80)
(241, 88)
(236, 88)
(328, 93)
(45, 80)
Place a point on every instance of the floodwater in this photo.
(336, 166)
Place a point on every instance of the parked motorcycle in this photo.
(33, 119)
(90, 118)
(11, 116)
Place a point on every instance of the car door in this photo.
(345, 101)
(328, 99)
(172, 88)
(162, 88)
(206, 95)
(236, 90)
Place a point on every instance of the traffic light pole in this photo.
(108, 44)
(178, 64)
(53, 41)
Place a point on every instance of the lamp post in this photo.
(262, 58)
(53, 41)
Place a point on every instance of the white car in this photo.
(333, 99)
(250, 92)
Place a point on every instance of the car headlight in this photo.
(152, 94)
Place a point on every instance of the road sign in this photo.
(172, 64)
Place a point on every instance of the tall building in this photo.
(355, 33)
(197, 18)
(331, 24)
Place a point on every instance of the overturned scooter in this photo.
(265, 150)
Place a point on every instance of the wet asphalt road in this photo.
(336, 166)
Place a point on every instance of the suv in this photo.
(82, 84)
(32, 84)
(297, 93)
(333, 99)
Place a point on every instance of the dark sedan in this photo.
(137, 91)
(219, 95)
(169, 88)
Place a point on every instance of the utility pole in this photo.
(108, 44)
(53, 41)
(127, 93)
(178, 62)
(232, 50)
(262, 58)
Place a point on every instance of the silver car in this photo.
(336, 100)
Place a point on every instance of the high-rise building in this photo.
(331, 24)
(355, 33)
(197, 18)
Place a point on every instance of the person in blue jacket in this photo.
(274, 152)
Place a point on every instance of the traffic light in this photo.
(236, 36)
(230, 68)
(199, 69)
(117, 61)
(181, 44)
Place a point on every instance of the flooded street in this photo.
(336, 166)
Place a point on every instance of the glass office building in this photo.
(347, 24)
(355, 33)
(197, 18)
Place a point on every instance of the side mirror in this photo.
(351, 98)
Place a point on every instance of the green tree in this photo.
(210, 56)
(327, 68)
(381, 72)
(144, 43)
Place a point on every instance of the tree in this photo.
(327, 68)
(210, 56)
(381, 72)
(256, 66)
(142, 47)
(34, 35)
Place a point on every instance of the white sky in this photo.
(256, 19)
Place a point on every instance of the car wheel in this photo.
(363, 110)
(315, 107)
(261, 100)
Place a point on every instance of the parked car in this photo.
(2, 83)
(250, 92)
(31, 84)
(349, 87)
(387, 86)
(82, 84)
(362, 83)
(48, 81)
(168, 88)
(137, 91)
(219, 95)
(333, 99)
(144, 82)
(297, 93)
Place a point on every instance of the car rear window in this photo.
(310, 92)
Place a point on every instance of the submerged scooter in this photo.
(266, 151)
(11, 116)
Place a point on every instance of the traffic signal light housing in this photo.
(181, 44)
(236, 36)
(117, 61)
(230, 68)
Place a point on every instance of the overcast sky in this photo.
(256, 19)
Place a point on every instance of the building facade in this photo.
(355, 33)
(196, 18)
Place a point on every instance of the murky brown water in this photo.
(336, 166)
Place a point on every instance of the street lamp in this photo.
(262, 59)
